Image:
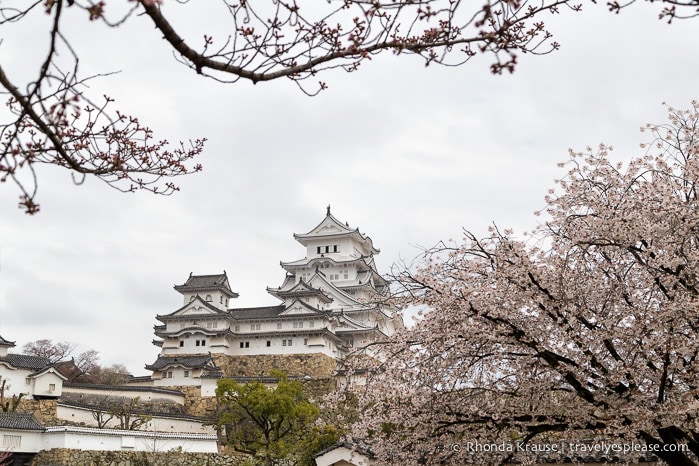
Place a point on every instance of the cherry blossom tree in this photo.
(584, 332)
(54, 118)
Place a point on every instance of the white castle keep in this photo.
(331, 304)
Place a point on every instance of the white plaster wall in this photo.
(44, 382)
(342, 456)
(178, 377)
(259, 346)
(29, 441)
(16, 381)
(208, 387)
(81, 438)
(158, 423)
(190, 344)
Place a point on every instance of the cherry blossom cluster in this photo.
(585, 330)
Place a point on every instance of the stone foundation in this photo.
(195, 404)
(44, 411)
(66, 457)
(295, 365)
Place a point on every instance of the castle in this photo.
(330, 305)
(332, 302)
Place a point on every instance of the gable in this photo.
(196, 310)
(327, 229)
(197, 307)
(339, 297)
(299, 308)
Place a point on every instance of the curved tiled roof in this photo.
(19, 421)
(266, 312)
(207, 282)
(343, 229)
(131, 433)
(174, 315)
(125, 388)
(25, 361)
(6, 343)
(202, 361)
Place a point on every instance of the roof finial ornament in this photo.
(328, 212)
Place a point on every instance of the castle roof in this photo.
(26, 361)
(200, 361)
(19, 421)
(300, 289)
(331, 227)
(6, 343)
(100, 388)
(196, 283)
(249, 313)
(182, 313)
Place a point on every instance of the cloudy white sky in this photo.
(408, 154)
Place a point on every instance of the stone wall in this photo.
(195, 404)
(66, 457)
(314, 365)
(44, 411)
(315, 389)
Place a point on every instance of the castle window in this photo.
(168, 375)
(242, 345)
(298, 324)
(52, 387)
(237, 328)
(318, 249)
(28, 381)
(311, 324)
(279, 325)
(346, 276)
(186, 373)
(305, 341)
(181, 343)
(288, 342)
(269, 343)
(327, 248)
(335, 248)
(209, 298)
(255, 327)
(247, 344)
(283, 342)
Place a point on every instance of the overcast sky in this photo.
(408, 154)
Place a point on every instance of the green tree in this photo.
(275, 425)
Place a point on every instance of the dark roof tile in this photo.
(19, 421)
(267, 312)
(25, 361)
(191, 362)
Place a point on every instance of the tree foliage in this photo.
(275, 425)
(11, 404)
(54, 119)
(115, 374)
(55, 351)
(47, 348)
(586, 330)
(129, 414)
